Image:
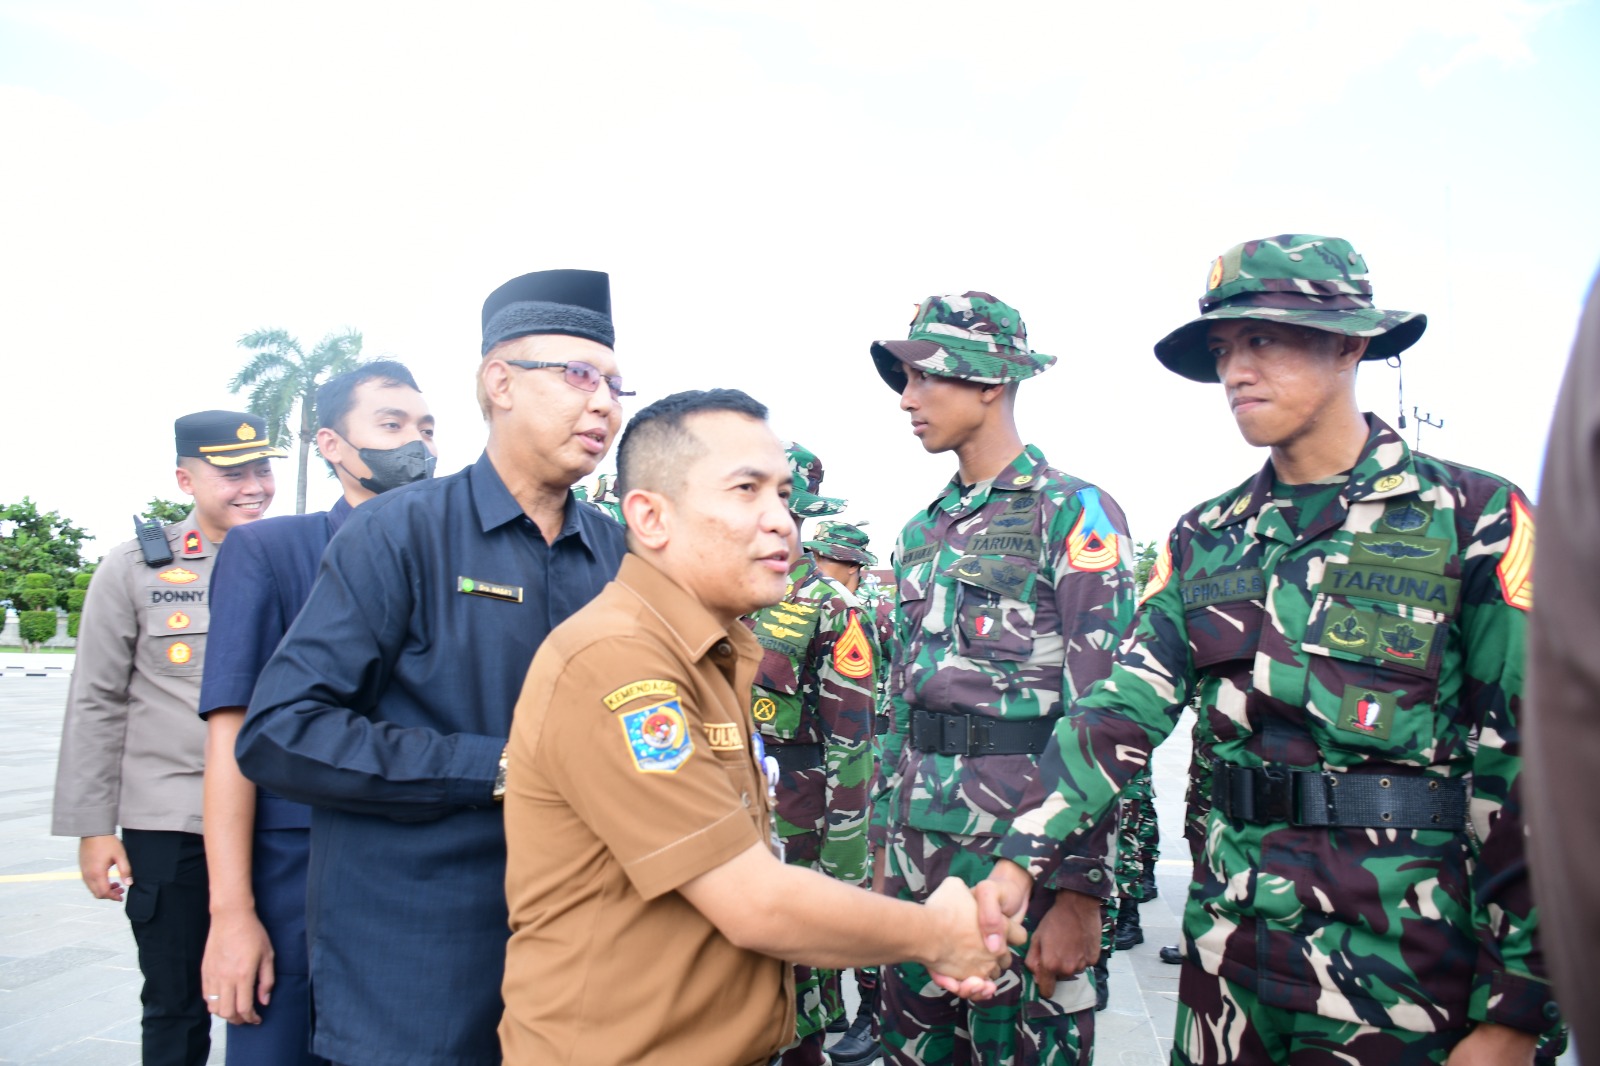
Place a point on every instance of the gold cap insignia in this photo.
(1216, 275)
(246, 431)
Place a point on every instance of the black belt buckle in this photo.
(955, 734)
(1253, 794)
(1274, 795)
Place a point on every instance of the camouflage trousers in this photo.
(1221, 1022)
(817, 991)
(921, 1025)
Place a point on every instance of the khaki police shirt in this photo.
(132, 747)
(630, 773)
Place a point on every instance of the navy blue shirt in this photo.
(262, 576)
(386, 707)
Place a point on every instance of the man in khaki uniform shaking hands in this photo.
(650, 916)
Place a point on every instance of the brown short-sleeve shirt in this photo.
(630, 773)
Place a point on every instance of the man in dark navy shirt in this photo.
(388, 704)
(375, 433)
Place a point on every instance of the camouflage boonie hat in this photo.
(805, 469)
(973, 337)
(1304, 280)
(842, 541)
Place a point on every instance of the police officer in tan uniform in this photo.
(131, 745)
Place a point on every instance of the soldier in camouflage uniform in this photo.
(1352, 619)
(813, 703)
(840, 551)
(1014, 587)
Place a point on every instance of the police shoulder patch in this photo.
(658, 737)
(1516, 565)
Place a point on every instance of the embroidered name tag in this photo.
(492, 589)
(1392, 584)
(1004, 544)
(724, 736)
(917, 556)
(1230, 586)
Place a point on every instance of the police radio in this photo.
(152, 541)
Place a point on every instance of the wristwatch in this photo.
(500, 777)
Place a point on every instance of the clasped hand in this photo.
(967, 962)
(1066, 942)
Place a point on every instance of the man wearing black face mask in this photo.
(376, 434)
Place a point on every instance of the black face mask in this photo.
(394, 467)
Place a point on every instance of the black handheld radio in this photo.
(152, 541)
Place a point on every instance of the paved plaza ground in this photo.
(69, 982)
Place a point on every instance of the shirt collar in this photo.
(1383, 469)
(1022, 474)
(337, 514)
(496, 506)
(690, 623)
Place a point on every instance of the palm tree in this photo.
(280, 376)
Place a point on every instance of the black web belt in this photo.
(976, 734)
(793, 758)
(1262, 794)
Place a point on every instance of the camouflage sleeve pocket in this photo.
(1222, 632)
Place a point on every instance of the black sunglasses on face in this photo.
(578, 374)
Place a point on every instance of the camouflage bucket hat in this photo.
(842, 541)
(1304, 280)
(806, 471)
(973, 337)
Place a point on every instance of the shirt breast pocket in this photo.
(1379, 663)
(1223, 633)
(994, 608)
(172, 640)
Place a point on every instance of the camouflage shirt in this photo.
(1377, 629)
(1013, 595)
(817, 684)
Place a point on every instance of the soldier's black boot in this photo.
(1172, 955)
(856, 1047)
(1147, 882)
(1102, 985)
(1127, 932)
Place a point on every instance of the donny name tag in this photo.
(492, 589)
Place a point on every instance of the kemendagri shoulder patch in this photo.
(637, 690)
(658, 737)
(1516, 565)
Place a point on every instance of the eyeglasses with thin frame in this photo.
(578, 374)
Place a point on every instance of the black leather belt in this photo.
(1262, 794)
(976, 734)
(792, 758)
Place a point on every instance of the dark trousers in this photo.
(169, 907)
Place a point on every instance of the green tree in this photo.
(36, 597)
(34, 542)
(168, 511)
(1144, 560)
(283, 382)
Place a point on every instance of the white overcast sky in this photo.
(772, 187)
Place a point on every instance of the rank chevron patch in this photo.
(1516, 565)
(1092, 544)
(852, 652)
